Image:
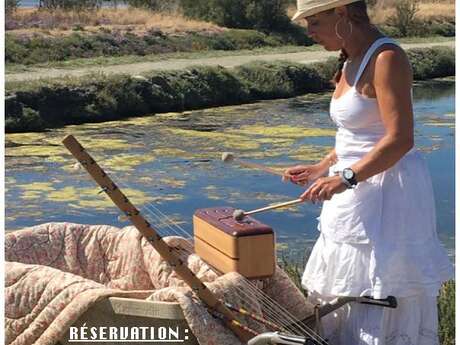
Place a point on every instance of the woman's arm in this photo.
(392, 84)
(303, 174)
(329, 160)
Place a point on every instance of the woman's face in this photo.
(321, 29)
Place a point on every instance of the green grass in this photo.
(433, 39)
(131, 59)
(446, 307)
(40, 48)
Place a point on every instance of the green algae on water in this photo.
(171, 182)
(126, 162)
(233, 141)
(310, 153)
(281, 246)
(40, 151)
(37, 186)
(283, 131)
(66, 194)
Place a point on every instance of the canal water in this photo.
(171, 163)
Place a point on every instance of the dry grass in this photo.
(135, 20)
(427, 9)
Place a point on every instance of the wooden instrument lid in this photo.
(222, 218)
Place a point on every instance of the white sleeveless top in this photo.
(357, 117)
(353, 216)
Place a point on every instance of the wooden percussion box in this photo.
(246, 246)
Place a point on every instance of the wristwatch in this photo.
(348, 177)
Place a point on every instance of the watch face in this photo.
(348, 174)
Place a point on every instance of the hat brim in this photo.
(300, 14)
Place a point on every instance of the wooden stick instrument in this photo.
(228, 157)
(144, 227)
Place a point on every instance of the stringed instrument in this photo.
(293, 331)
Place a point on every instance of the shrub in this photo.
(433, 27)
(78, 5)
(420, 28)
(326, 70)
(280, 79)
(118, 98)
(164, 94)
(405, 15)
(209, 86)
(154, 5)
(292, 34)
(15, 50)
(21, 118)
(38, 49)
(11, 6)
(245, 14)
(432, 63)
(267, 15)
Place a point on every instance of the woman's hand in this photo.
(303, 174)
(324, 188)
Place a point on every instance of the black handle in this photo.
(389, 302)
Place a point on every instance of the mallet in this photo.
(228, 157)
(240, 214)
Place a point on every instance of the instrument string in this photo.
(157, 214)
(268, 303)
(276, 313)
(271, 309)
(269, 306)
(164, 219)
(191, 250)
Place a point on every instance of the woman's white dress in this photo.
(378, 239)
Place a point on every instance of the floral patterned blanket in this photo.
(56, 271)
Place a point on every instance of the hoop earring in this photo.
(337, 29)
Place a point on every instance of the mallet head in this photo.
(238, 215)
(227, 157)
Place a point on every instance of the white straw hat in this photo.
(306, 8)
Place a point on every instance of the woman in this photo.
(377, 225)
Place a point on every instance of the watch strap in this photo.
(345, 181)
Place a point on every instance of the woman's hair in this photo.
(357, 14)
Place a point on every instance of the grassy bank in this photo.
(446, 301)
(130, 59)
(43, 104)
(41, 48)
